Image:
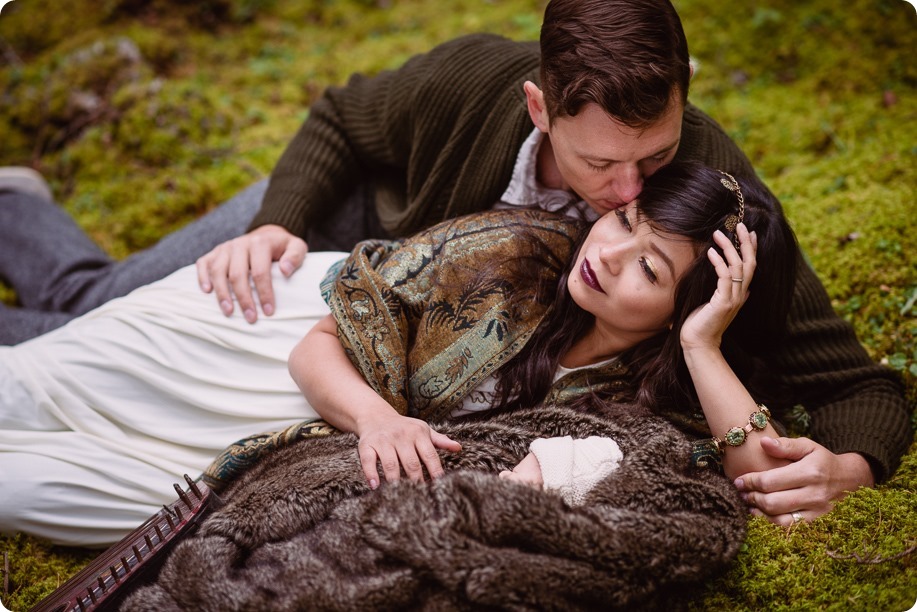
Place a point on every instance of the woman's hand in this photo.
(704, 328)
(399, 442)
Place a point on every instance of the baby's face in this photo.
(528, 471)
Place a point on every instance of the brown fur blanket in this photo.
(302, 531)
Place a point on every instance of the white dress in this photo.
(100, 417)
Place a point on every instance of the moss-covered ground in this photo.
(144, 114)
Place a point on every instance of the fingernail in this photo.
(286, 267)
(206, 287)
(373, 484)
(226, 307)
(268, 309)
(249, 315)
(739, 483)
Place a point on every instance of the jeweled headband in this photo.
(732, 221)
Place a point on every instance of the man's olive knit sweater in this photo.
(439, 137)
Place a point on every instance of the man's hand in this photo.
(808, 487)
(231, 268)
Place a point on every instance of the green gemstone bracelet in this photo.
(737, 435)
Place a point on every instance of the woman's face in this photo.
(625, 275)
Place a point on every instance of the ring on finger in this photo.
(797, 516)
(738, 280)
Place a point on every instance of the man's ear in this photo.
(534, 99)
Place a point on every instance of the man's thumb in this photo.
(793, 449)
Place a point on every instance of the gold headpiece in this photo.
(732, 221)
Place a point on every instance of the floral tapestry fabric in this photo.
(426, 319)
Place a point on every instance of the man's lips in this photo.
(608, 205)
(588, 276)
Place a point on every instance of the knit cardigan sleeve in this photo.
(437, 138)
(855, 404)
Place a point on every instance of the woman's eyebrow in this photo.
(662, 254)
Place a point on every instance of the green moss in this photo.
(37, 568)
(819, 94)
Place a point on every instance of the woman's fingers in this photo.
(411, 448)
(736, 271)
(368, 460)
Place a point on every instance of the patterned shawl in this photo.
(424, 326)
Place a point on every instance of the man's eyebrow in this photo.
(666, 149)
(662, 151)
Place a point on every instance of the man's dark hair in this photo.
(628, 56)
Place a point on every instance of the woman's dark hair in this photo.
(688, 200)
(628, 56)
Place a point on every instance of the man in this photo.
(480, 122)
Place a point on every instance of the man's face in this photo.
(605, 161)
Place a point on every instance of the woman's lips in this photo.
(588, 276)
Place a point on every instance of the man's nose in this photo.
(627, 183)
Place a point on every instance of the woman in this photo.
(630, 318)
(470, 316)
(101, 416)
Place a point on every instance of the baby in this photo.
(569, 467)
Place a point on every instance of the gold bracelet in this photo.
(737, 435)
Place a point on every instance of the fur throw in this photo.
(301, 530)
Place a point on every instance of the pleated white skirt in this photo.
(100, 417)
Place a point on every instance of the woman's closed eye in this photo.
(622, 217)
(649, 270)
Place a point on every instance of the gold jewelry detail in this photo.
(738, 280)
(732, 221)
(737, 435)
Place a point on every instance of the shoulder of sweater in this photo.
(488, 42)
(705, 141)
(481, 59)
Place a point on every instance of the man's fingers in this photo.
(776, 503)
(792, 449)
(260, 267)
(203, 273)
(293, 256)
(776, 479)
(218, 267)
(239, 267)
(785, 520)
